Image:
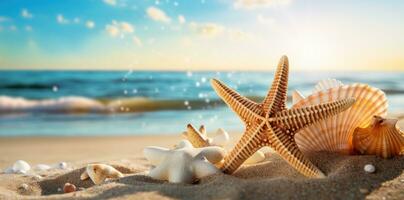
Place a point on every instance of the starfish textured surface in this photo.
(271, 124)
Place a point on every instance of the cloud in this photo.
(26, 14)
(265, 20)
(13, 28)
(181, 19)
(90, 24)
(252, 4)
(28, 28)
(76, 20)
(136, 40)
(61, 19)
(213, 30)
(119, 28)
(207, 29)
(4, 19)
(110, 2)
(157, 15)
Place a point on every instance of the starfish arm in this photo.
(285, 145)
(245, 108)
(275, 100)
(195, 137)
(294, 119)
(251, 141)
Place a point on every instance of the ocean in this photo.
(86, 103)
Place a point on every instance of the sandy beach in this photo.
(271, 179)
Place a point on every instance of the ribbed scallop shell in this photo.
(335, 134)
(383, 138)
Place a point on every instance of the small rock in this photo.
(69, 188)
(369, 168)
(21, 166)
(59, 189)
(363, 190)
(62, 165)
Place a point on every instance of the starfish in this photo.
(271, 124)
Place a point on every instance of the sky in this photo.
(202, 34)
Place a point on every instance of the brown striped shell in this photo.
(335, 134)
(382, 137)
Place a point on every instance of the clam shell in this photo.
(335, 134)
(383, 138)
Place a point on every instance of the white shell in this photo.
(98, 173)
(335, 134)
(21, 167)
(369, 168)
(220, 139)
(184, 164)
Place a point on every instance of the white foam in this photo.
(63, 104)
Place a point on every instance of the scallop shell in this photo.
(383, 138)
(335, 134)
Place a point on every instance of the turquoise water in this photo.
(134, 103)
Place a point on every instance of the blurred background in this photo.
(135, 67)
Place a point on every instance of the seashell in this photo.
(21, 167)
(68, 187)
(369, 168)
(335, 134)
(257, 157)
(200, 139)
(99, 172)
(185, 164)
(383, 138)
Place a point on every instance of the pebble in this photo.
(363, 190)
(62, 165)
(21, 166)
(59, 189)
(369, 168)
(69, 188)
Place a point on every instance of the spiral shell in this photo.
(383, 138)
(335, 134)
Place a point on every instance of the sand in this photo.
(271, 179)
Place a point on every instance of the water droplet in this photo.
(189, 73)
(134, 91)
(203, 79)
(197, 84)
(125, 92)
(186, 103)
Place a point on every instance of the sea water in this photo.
(146, 102)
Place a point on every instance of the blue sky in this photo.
(201, 34)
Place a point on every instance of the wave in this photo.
(76, 105)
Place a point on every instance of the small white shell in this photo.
(21, 167)
(335, 134)
(369, 168)
(220, 139)
(98, 173)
